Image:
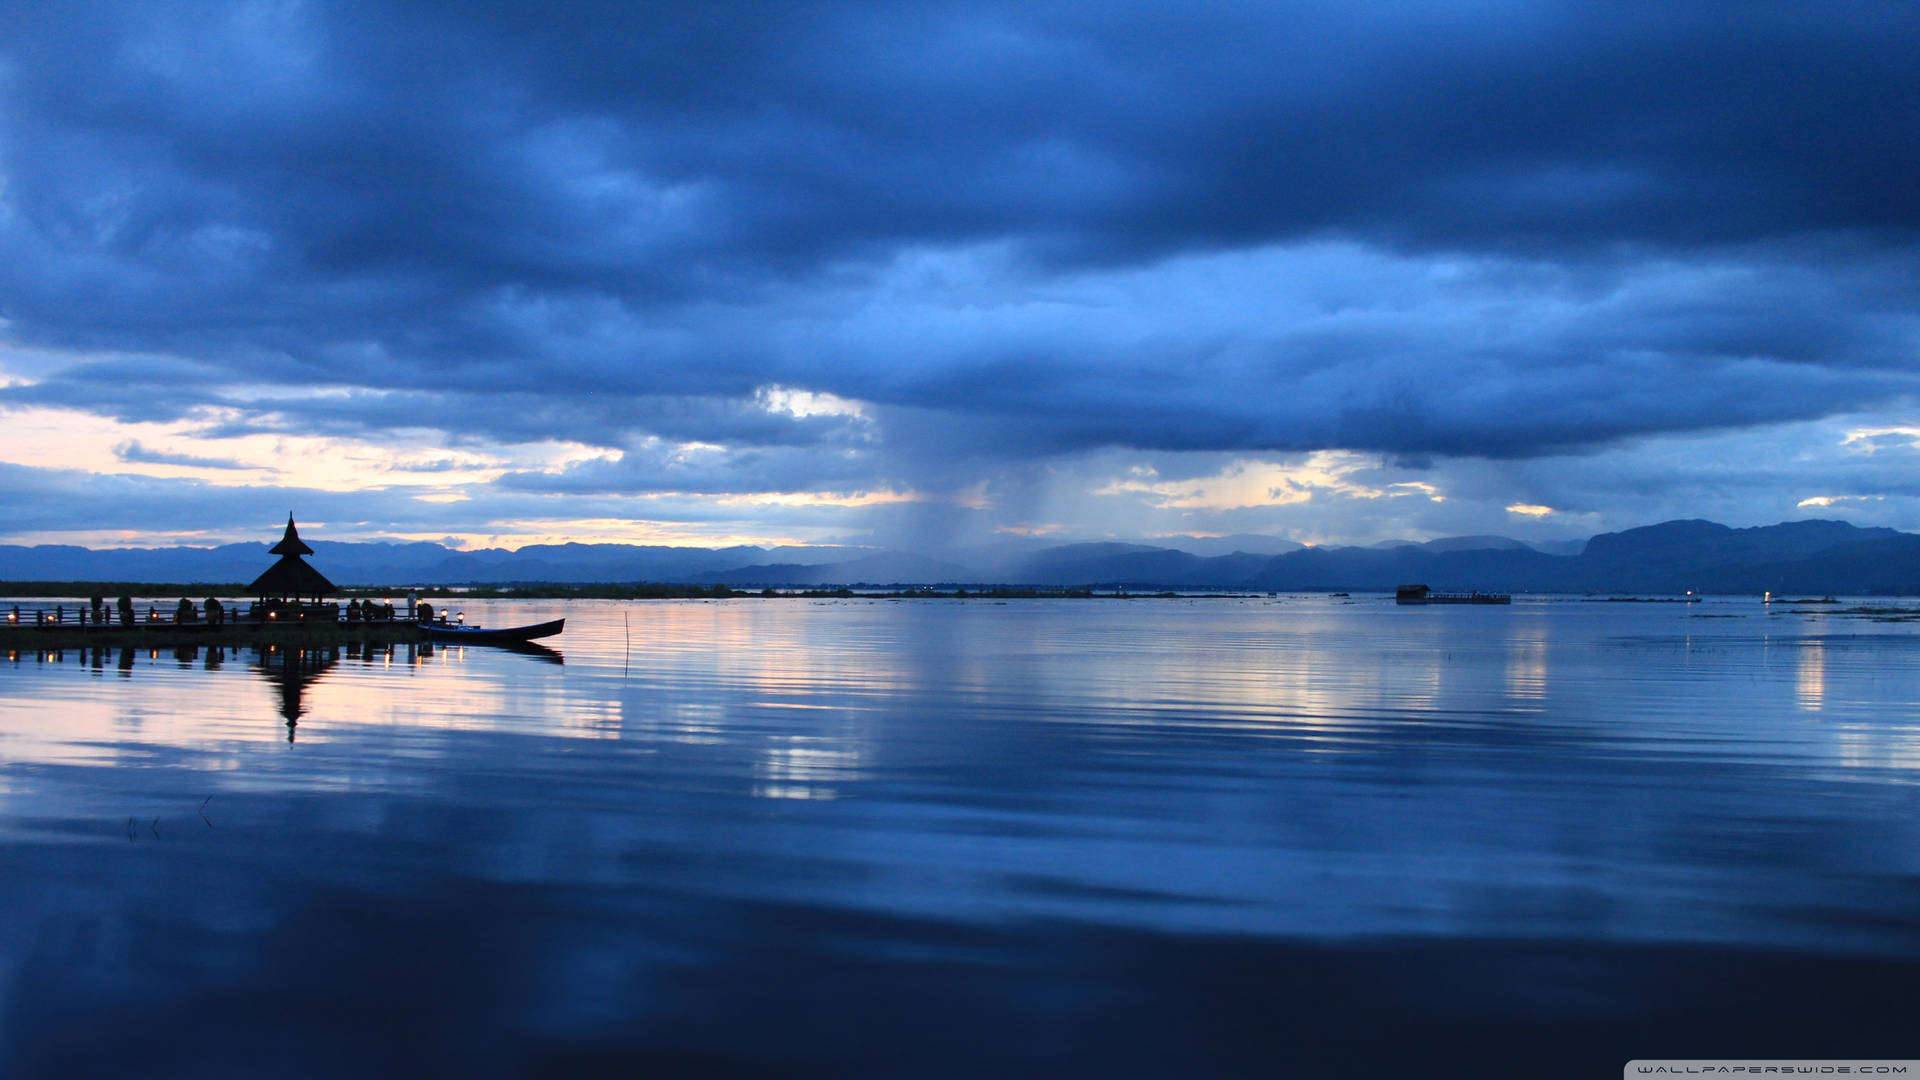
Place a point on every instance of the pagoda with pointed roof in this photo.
(291, 579)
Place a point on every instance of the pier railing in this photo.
(176, 616)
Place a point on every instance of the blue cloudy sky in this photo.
(926, 273)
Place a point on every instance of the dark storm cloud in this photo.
(603, 222)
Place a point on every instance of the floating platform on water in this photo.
(309, 633)
(1420, 594)
(168, 635)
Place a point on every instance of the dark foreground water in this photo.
(1288, 837)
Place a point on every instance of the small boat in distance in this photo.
(1420, 594)
(491, 635)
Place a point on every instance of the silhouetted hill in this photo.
(1477, 543)
(1887, 566)
(1100, 564)
(888, 568)
(1705, 540)
(1817, 557)
(1679, 555)
(378, 564)
(1372, 569)
(1240, 543)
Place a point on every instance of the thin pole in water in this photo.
(626, 632)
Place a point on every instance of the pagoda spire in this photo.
(290, 544)
(291, 578)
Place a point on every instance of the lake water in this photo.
(1280, 837)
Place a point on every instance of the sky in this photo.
(930, 275)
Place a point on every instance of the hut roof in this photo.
(291, 543)
(291, 577)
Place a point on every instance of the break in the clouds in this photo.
(793, 272)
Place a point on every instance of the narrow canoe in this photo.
(501, 634)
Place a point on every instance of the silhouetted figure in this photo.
(185, 613)
(424, 612)
(216, 614)
(353, 611)
(125, 606)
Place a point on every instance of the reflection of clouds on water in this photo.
(918, 805)
(1527, 670)
(755, 685)
(1896, 753)
(806, 767)
(692, 722)
(209, 696)
(1810, 676)
(1101, 747)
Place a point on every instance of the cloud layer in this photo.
(1003, 243)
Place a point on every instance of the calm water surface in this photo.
(1292, 836)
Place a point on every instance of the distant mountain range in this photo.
(1812, 557)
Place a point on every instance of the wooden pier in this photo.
(63, 626)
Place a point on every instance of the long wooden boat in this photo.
(483, 635)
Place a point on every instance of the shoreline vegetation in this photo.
(66, 590)
(158, 591)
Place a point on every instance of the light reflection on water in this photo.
(902, 796)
